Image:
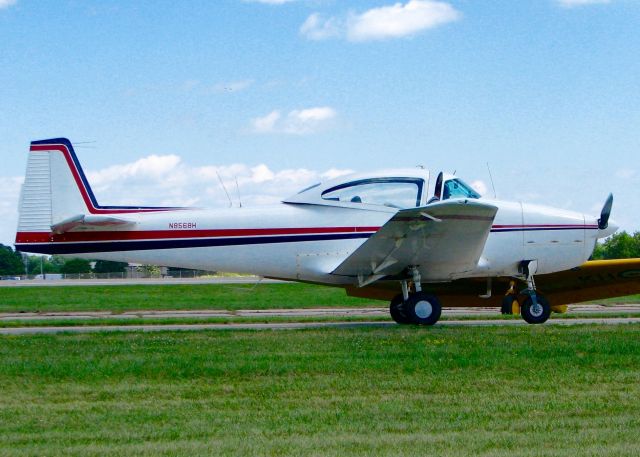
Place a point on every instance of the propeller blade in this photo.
(603, 222)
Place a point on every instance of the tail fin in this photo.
(55, 187)
(56, 192)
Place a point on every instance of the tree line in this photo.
(14, 263)
(619, 246)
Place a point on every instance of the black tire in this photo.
(530, 315)
(397, 312)
(507, 304)
(423, 308)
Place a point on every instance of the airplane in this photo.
(390, 235)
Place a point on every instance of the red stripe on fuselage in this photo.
(549, 226)
(43, 237)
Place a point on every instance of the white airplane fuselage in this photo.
(295, 241)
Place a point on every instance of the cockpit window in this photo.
(456, 188)
(392, 192)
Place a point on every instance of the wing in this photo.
(444, 240)
(594, 280)
(88, 222)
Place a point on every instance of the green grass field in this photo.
(530, 391)
(174, 296)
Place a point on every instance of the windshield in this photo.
(392, 192)
(456, 188)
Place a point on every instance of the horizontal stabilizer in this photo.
(88, 221)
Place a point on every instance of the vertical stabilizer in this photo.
(53, 186)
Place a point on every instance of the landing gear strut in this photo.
(536, 308)
(416, 307)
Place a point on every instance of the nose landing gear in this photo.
(535, 309)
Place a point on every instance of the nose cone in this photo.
(611, 228)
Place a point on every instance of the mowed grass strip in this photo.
(530, 391)
(174, 297)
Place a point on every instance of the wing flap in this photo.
(443, 240)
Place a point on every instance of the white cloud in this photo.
(296, 122)
(316, 27)
(266, 124)
(332, 173)
(151, 167)
(480, 187)
(168, 181)
(574, 3)
(386, 22)
(400, 20)
(6, 3)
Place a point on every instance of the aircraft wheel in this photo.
(510, 304)
(397, 312)
(422, 308)
(535, 314)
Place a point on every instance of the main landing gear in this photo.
(415, 307)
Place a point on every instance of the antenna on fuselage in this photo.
(225, 189)
(238, 191)
(495, 195)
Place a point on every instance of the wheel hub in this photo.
(423, 309)
(536, 310)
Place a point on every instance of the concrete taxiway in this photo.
(292, 313)
(299, 325)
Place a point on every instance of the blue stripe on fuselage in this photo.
(120, 246)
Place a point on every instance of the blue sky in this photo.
(280, 93)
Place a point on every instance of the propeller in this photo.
(603, 222)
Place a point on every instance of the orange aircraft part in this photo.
(594, 280)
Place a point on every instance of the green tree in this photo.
(619, 246)
(10, 261)
(76, 266)
(149, 270)
(56, 262)
(107, 266)
(38, 263)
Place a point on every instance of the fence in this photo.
(131, 273)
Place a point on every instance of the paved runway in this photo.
(302, 325)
